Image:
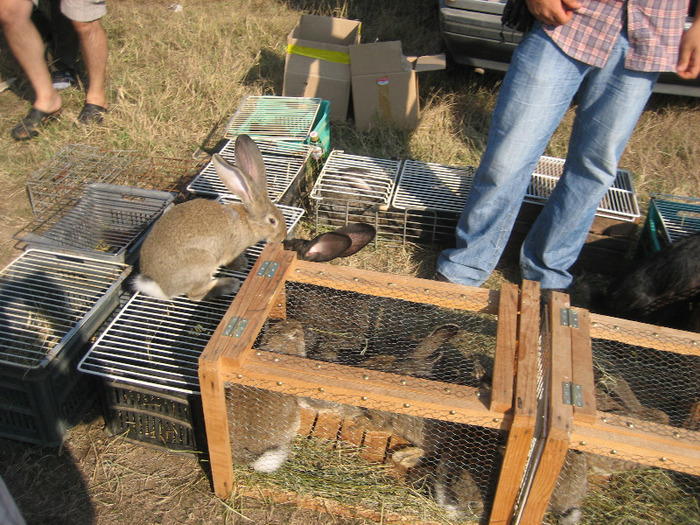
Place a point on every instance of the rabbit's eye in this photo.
(273, 221)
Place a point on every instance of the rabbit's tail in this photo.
(271, 460)
(148, 286)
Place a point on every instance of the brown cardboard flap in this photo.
(329, 30)
(377, 58)
(428, 62)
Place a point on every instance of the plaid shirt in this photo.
(654, 28)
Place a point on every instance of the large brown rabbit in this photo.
(189, 243)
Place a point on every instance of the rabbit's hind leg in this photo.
(214, 288)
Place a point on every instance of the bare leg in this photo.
(93, 46)
(28, 48)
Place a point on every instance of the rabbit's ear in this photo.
(360, 234)
(233, 178)
(321, 248)
(250, 161)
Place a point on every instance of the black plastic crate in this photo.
(50, 306)
(154, 417)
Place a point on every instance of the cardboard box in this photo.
(318, 62)
(385, 83)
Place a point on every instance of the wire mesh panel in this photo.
(274, 118)
(47, 298)
(106, 222)
(383, 378)
(285, 162)
(620, 201)
(60, 181)
(157, 343)
(432, 186)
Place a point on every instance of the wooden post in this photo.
(517, 454)
(559, 416)
(233, 338)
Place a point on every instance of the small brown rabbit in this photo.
(189, 243)
(263, 423)
(571, 489)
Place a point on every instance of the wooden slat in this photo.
(636, 440)
(645, 335)
(307, 420)
(506, 345)
(367, 388)
(528, 349)
(582, 359)
(447, 295)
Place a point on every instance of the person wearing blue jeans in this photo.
(539, 87)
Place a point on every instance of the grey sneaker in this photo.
(63, 80)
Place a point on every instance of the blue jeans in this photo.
(536, 93)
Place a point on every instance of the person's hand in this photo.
(688, 66)
(553, 12)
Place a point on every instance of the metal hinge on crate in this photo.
(572, 394)
(268, 269)
(235, 327)
(569, 317)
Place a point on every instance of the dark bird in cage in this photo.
(662, 289)
(343, 242)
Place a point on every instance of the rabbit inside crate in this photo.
(325, 324)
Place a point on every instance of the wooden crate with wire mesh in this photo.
(410, 400)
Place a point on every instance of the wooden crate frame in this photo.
(528, 354)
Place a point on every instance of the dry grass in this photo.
(174, 79)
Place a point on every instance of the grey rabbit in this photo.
(263, 423)
(189, 243)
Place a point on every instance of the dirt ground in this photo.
(98, 480)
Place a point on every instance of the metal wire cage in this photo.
(60, 182)
(108, 221)
(285, 163)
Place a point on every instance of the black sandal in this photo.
(29, 126)
(92, 114)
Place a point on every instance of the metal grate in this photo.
(62, 179)
(430, 186)
(48, 300)
(620, 202)
(274, 118)
(284, 163)
(157, 343)
(105, 223)
(354, 177)
(679, 216)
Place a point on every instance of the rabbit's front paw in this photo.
(226, 286)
